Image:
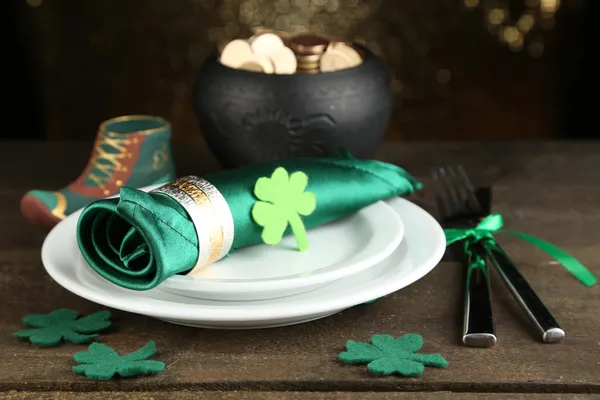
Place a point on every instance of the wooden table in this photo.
(551, 190)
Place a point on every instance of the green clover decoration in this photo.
(63, 325)
(281, 202)
(386, 355)
(102, 363)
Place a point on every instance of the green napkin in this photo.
(140, 239)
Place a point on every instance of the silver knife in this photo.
(534, 308)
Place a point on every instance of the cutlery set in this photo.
(461, 206)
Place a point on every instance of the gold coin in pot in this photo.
(267, 44)
(339, 56)
(349, 51)
(308, 44)
(235, 53)
(334, 60)
(308, 59)
(284, 61)
(251, 66)
(309, 62)
(308, 66)
(258, 63)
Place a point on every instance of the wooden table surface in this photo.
(550, 190)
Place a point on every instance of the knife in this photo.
(547, 326)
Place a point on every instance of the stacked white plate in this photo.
(374, 252)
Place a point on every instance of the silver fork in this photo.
(459, 208)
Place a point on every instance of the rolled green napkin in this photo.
(140, 239)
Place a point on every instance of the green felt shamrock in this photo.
(63, 325)
(282, 200)
(386, 355)
(102, 363)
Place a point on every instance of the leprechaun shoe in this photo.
(131, 151)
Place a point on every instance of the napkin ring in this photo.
(224, 216)
(209, 214)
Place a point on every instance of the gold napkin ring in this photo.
(224, 216)
(198, 217)
(211, 220)
(209, 213)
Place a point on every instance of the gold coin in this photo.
(308, 44)
(317, 68)
(308, 59)
(307, 71)
(308, 66)
(349, 51)
(265, 63)
(267, 43)
(235, 53)
(284, 61)
(251, 66)
(339, 56)
(334, 60)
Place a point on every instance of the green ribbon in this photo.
(484, 233)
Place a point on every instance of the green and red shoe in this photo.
(131, 151)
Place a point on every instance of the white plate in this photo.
(419, 252)
(260, 272)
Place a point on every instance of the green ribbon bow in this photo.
(484, 234)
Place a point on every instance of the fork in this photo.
(459, 208)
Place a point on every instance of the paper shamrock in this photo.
(387, 355)
(63, 325)
(102, 363)
(281, 201)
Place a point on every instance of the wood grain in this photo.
(545, 189)
(190, 395)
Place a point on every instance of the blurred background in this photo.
(462, 69)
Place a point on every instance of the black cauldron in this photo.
(250, 117)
